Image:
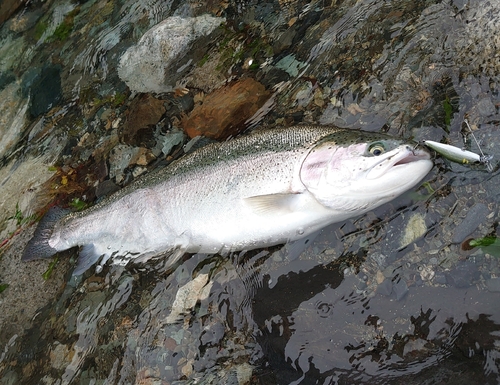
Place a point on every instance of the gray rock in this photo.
(143, 67)
(493, 284)
(476, 215)
(400, 289)
(463, 275)
(440, 278)
(385, 288)
(45, 90)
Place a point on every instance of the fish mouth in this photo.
(397, 159)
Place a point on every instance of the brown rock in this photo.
(142, 157)
(8, 7)
(224, 112)
(145, 111)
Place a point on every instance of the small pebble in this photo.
(379, 277)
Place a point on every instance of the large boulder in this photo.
(144, 67)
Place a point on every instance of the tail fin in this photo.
(38, 247)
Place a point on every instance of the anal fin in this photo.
(88, 256)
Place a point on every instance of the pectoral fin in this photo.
(283, 203)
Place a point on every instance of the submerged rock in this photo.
(224, 112)
(13, 111)
(145, 111)
(475, 216)
(8, 8)
(463, 275)
(44, 89)
(415, 229)
(143, 67)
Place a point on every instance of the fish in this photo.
(266, 188)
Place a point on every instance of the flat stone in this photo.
(400, 289)
(385, 288)
(415, 229)
(145, 111)
(45, 90)
(493, 284)
(13, 117)
(8, 8)
(475, 216)
(463, 275)
(224, 112)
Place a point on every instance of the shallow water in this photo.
(391, 297)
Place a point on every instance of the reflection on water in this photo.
(392, 297)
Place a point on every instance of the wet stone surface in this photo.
(95, 94)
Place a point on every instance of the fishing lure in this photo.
(456, 154)
(459, 155)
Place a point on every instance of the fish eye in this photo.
(376, 149)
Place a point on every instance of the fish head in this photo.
(354, 171)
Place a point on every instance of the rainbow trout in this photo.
(267, 188)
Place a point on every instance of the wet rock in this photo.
(290, 65)
(106, 188)
(105, 146)
(213, 334)
(379, 277)
(493, 284)
(142, 157)
(145, 111)
(143, 67)
(172, 139)
(188, 295)
(413, 346)
(415, 229)
(427, 273)
(24, 21)
(463, 275)
(385, 288)
(12, 117)
(486, 107)
(224, 112)
(44, 89)
(59, 356)
(440, 278)
(207, 77)
(244, 373)
(475, 216)
(400, 289)
(123, 157)
(6, 78)
(8, 8)
(11, 50)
